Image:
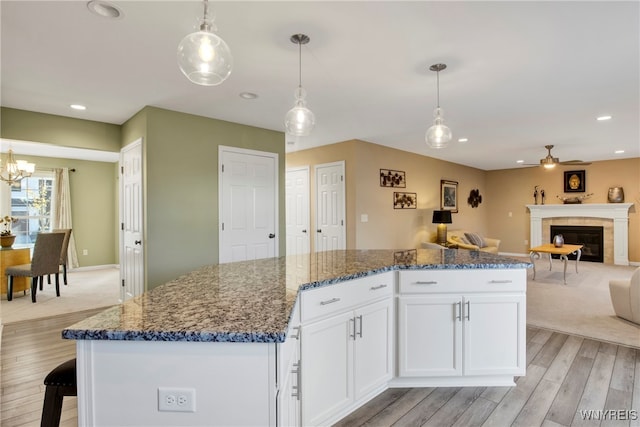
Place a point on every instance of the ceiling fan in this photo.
(550, 162)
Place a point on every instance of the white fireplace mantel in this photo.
(618, 212)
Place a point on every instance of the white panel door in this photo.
(297, 203)
(131, 220)
(248, 204)
(330, 207)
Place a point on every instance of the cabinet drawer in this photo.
(469, 280)
(344, 295)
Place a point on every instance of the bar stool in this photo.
(60, 382)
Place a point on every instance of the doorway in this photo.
(248, 204)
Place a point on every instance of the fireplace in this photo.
(591, 237)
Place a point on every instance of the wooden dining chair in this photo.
(45, 261)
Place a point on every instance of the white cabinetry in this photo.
(289, 374)
(346, 346)
(461, 327)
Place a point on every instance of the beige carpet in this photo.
(582, 306)
(86, 289)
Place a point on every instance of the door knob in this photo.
(271, 235)
(319, 230)
(304, 231)
(138, 242)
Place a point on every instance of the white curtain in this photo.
(62, 212)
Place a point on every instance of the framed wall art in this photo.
(449, 195)
(391, 178)
(405, 200)
(574, 182)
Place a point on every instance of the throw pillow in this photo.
(476, 239)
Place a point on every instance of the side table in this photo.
(8, 258)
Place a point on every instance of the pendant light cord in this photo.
(299, 64)
(438, 88)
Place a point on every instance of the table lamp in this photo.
(442, 218)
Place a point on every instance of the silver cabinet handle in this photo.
(296, 388)
(329, 301)
(429, 282)
(352, 334)
(501, 281)
(468, 310)
(375, 288)
(360, 332)
(459, 310)
(297, 331)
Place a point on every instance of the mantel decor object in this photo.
(574, 200)
(615, 195)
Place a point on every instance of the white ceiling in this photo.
(520, 74)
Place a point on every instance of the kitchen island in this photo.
(269, 342)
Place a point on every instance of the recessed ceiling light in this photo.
(463, 140)
(619, 151)
(104, 9)
(519, 161)
(603, 118)
(248, 95)
(78, 107)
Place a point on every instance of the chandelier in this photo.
(15, 170)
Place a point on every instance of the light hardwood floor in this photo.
(30, 349)
(565, 374)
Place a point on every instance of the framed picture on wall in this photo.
(392, 178)
(405, 200)
(449, 196)
(574, 182)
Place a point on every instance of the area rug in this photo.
(86, 289)
(582, 306)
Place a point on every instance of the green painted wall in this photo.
(92, 196)
(181, 186)
(66, 131)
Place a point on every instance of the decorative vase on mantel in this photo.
(7, 240)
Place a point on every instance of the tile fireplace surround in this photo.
(617, 212)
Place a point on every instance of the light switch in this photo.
(510, 214)
(364, 218)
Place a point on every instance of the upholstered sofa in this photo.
(625, 297)
(460, 238)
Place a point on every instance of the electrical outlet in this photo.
(85, 252)
(176, 399)
(526, 242)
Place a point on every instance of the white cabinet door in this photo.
(289, 397)
(327, 363)
(373, 352)
(430, 336)
(494, 335)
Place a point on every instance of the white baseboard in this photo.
(95, 267)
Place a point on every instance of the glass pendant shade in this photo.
(205, 58)
(438, 135)
(299, 121)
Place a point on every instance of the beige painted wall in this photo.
(511, 189)
(389, 228)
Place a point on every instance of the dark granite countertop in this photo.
(251, 301)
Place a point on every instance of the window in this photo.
(31, 201)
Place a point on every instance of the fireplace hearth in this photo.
(592, 239)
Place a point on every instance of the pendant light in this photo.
(438, 135)
(203, 56)
(299, 121)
